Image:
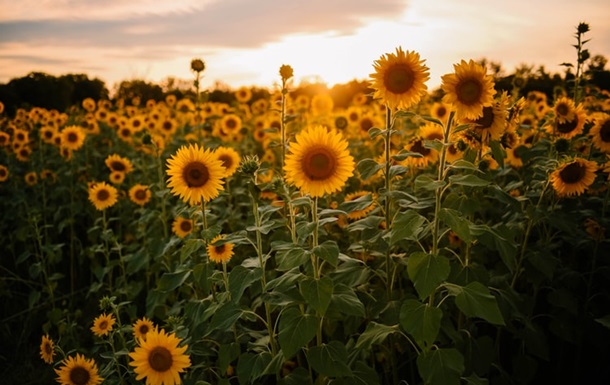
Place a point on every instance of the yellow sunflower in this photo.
(31, 178)
(139, 194)
(492, 122)
(600, 133)
(573, 177)
(116, 177)
(569, 128)
(220, 253)
(78, 371)
(195, 174)
(182, 226)
(243, 94)
(159, 359)
(142, 327)
(89, 104)
(564, 109)
(400, 79)
(103, 324)
(468, 89)
(103, 195)
(230, 159)
(47, 349)
(47, 133)
(358, 214)
(72, 137)
(322, 104)
(319, 162)
(118, 163)
(4, 173)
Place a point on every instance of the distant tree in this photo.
(597, 73)
(129, 89)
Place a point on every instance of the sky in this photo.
(244, 42)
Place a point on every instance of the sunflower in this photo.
(182, 226)
(88, 104)
(21, 136)
(103, 324)
(159, 359)
(195, 174)
(47, 133)
(492, 122)
(361, 213)
(230, 159)
(139, 194)
(573, 177)
(168, 126)
(564, 109)
(141, 328)
(47, 349)
(31, 178)
(103, 195)
(220, 253)
(116, 177)
(78, 371)
(4, 173)
(440, 111)
(600, 133)
(400, 79)
(568, 129)
(243, 94)
(118, 163)
(322, 104)
(319, 162)
(229, 125)
(513, 155)
(72, 137)
(468, 89)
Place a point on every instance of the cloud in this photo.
(227, 23)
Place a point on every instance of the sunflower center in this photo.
(399, 78)
(418, 146)
(441, 111)
(487, 119)
(196, 174)
(319, 164)
(48, 349)
(140, 194)
(341, 122)
(143, 329)
(469, 91)
(572, 173)
(104, 325)
(3, 173)
(231, 124)
(117, 166)
(103, 195)
(72, 137)
(79, 376)
(604, 131)
(167, 126)
(562, 109)
(567, 126)
(366, 124)
(186, 226)
(220, 249)
(226, 160)
(160, 359)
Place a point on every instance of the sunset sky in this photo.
(244, 42)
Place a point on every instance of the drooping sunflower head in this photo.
(72, 137)
(468, 89)
(319, 162)
(47, 349)
(103, 324)
(159, 359)
(195, 174)
(220, 252)
(141, 328)
(182, 226)
(139, 194)
(573, 177)
(400, 79)
(103, 195)
(230, 159)
(78, 371)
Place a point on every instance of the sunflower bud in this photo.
(249, 165)
(583, 28)
(197, 65)
(286, 72)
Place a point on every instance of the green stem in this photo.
(314, 235)
(387, 199)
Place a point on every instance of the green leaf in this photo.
(227, 353)
(357, 204)
(475, 300)
(462, 164)
(406, 225)
(251, 367)
(426, 183)
(317, 293)
(441, 366)
(329, 359)
(427, 271)
(170, 281)
(296, 330)
(497, 152)
(190, 246)
(492, 239)
(456, 222)
(368, 167)
(421, 321)
(375, 333)
(468, 180)
(290, 258)
(328, 251)
(240, 278)
(362, 374)
(224, 318)
(345, 301)
(605, 321)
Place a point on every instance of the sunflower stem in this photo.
(314, 235)
(106, 249)
(387, 200)
(163, 196)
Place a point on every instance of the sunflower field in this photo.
(412, 237)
